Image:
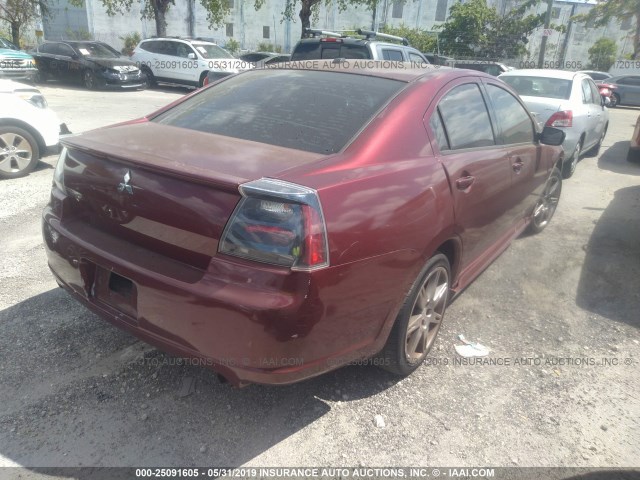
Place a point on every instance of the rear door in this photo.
(630, 90)
(479, 170)
(591, 124)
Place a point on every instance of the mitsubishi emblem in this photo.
(124, 186)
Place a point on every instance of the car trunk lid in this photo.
(161, 189)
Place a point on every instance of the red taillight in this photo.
(278, 223)
(331, 39)
(563, 118)
(314, 252)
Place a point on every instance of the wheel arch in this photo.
(451, 249)
(14, 122)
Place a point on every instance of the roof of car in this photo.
(182, 39)
(542, 72)
(402, 71)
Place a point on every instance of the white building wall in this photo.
(248, 25)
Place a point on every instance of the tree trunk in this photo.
(305, 16)
(15, 33)
(306, 7)
(160, 8)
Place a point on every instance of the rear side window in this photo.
(393, 55)
(149, 46)
(465, 118)
(319, 50)
(307, 110)
(514, 120)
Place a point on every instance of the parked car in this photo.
(330, 45)
(4, 43)
(436, 59)
(596, 75)
(634, 146)
(607, 92)
(17, 65)
(258, 59)
(284, 222)
(184, 61)
(94, 64)
(28, 129)
(567, 100)
(492, 68)
(627, 89)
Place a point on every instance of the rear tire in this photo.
(419, 319)
(569, 166)
(203, 75)
(615, 100)
(150, 80)
(595, 150)
(19, 152)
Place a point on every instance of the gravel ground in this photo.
(561, 308)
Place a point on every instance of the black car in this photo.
(94, 64)
(258, 59)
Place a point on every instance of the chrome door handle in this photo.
(465, 182)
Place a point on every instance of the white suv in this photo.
(184, 61)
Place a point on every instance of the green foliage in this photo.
(131, 41)
(232, 46)
(607, 10)
(474, 29)
(602, 55)
(217, 11)
(81, 34)
(418, 38)
(19, 13)
(268, 47)
(310, 8)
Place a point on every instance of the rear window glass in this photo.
(319, 50)
(307, 110)
(540, 86)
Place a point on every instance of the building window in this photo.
(398, 6)
(441, 11)
(626, 24)
(555, 13)
(266, 32)
(229, 29)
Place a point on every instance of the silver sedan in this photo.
(567, 100)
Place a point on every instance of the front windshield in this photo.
(95, 50)
(208, 50)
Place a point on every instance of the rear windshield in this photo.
(327, 50)
(540, 86)
(316, 111)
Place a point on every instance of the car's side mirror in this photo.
(551, 136)
(191, 56)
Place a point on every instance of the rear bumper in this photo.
(251, 324)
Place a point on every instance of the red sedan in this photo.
(281, 223)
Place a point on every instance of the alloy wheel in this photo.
(426, 315)
(15, 153)
(548, 203)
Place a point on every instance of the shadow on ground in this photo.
(615, 160)
(611, 271)
(88, 394)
